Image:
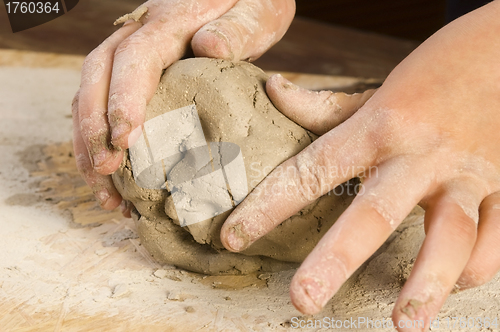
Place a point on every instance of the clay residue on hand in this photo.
(412, 308)
(136, 15)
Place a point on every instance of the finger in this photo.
(317, 111)
(444, 253)
(101, 185)
(484, 261)
(140, 59)
(358, 233)
(93, 101)
(334, 158)
(246, 31)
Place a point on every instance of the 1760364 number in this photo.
(32, 7)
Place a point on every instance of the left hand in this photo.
(121, 75)
(432, 131)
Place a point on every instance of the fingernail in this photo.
(103, 196)
(119, 131)
(316, 292)
(235, 242)
(287, 84)
(99, 158)
(290, 86)
(224, 49)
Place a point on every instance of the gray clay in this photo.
(233, 107)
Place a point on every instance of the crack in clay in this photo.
(183, 144)
(224, 68)
(255, 94)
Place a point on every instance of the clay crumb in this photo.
(136, 15)
(411, 308)
(160, 273)
(416, 304)
(175, 296)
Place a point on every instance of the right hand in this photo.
(120, 76)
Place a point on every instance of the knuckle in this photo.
(212, 42)
(131, 43)
(334, 101)
(382, 211)
(119, 112)
(87, 127)
(93, 133)
(115, 105)
(385, 129)
(140, 52)
(93, 65)
(392, 131)
(89, 59)
(267, 223)
(310, 184)
(385, 123)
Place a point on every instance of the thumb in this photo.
(246, 31)
(318, 112)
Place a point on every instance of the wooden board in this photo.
(91, 245)
(66, 265)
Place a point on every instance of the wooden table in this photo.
(60, 271)
(67, 265)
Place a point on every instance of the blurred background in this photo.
(337, 37)
(92, 20)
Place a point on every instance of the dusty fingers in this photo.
(484, 261)
(139, 60)
(121, 75)
(359, 232)
(444, 253)
(246, 31)
(334, 158)
(102, 186)
(92, 105)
